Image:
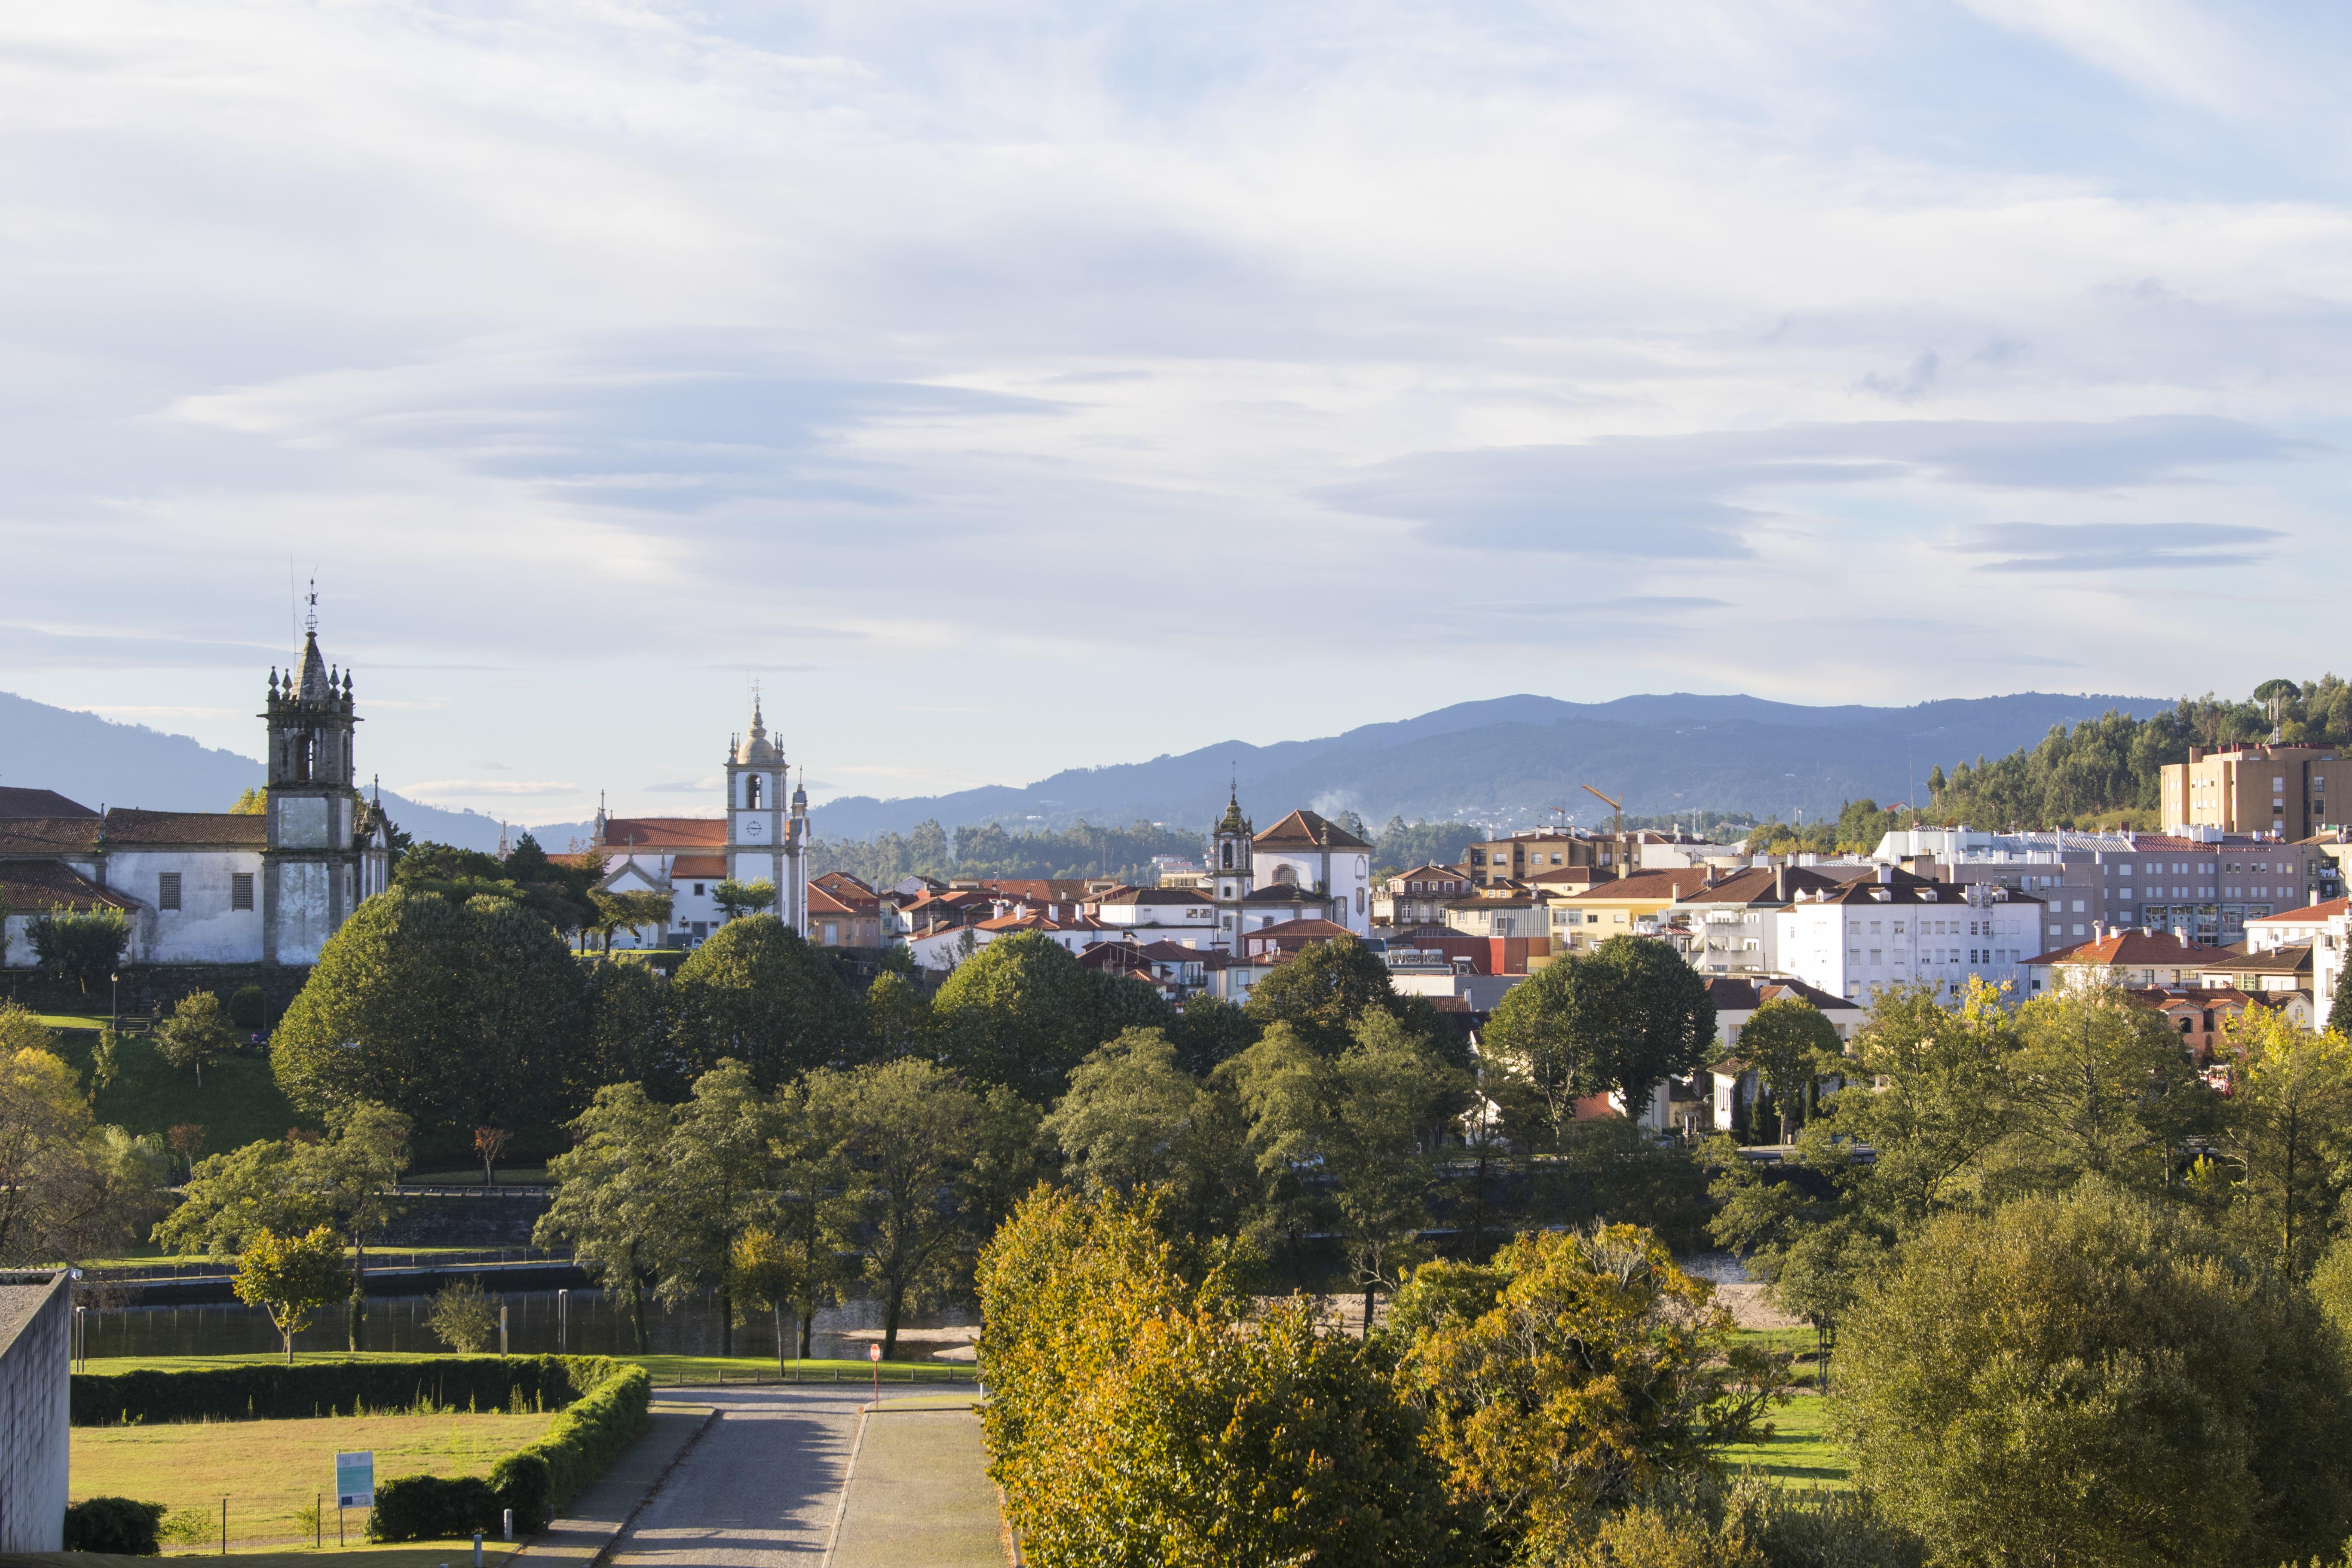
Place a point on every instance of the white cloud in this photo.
(944, 369)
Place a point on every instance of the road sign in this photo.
(873, 1352)
(355, 1479)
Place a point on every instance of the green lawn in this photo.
(147, 1255)
(471, 1176)
(273, 1472)
(239, 1103)
(1798, 1453)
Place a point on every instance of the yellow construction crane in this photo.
(1617, 823)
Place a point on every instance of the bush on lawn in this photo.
(430, 1508)
(114, 1524)
(592, 1433)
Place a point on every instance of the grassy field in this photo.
(1798, 1453)
(272, 1472)
(239, 1103)
(471, 1176)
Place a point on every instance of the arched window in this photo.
(751, 792)
(1286, 875)
(1229, 854)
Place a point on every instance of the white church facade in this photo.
(762, 837)
(225, 888)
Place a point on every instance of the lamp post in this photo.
(113, 1001)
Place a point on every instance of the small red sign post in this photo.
(873, 1354)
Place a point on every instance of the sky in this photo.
(1018, 386)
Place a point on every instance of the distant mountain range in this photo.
(1506, 761)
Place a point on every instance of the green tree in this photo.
(251, 801)
(720, 1174)
(2092, 1380)
(1327, 989)
(291, 1277)
(610, 1188)
(1791, 1047)
(1622, 1017)
(80, 945)
(1574, 1373)
(2097, 1086)
(2339, 1012)
(21, 1029)
(66, 1186)
(756, 992)
(1135, 1120)
(913, 1147)
(765, 1270)
(736, 899)
(195, 1036)
(1020, 1012)
(233, 1197)
(1210, 1031)
(1928, 1096)
(630, 1034)
(1367, 1123)
(626, 912)
(2286, 1138)
(813, 1209)
(454, 1016)
(899, 1019)
(353, 1169)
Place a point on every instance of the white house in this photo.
(1159, 914)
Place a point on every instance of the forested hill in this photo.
(2106, 771)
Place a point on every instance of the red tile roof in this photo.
(2140, 949)
(1674, 883)
(2311, 914)
(665, 832)
(699, 866)
(1305, 829)
(228, 829)
(30, 887)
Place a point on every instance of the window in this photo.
(240, 890)
(698, 890)
(167, 890)
(1854, 956)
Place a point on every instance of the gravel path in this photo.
(761, 1487)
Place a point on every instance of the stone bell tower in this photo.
(767, 829)
(316, 865)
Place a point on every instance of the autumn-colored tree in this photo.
(292, 1279)
(1571, 1374)
(490, 1143)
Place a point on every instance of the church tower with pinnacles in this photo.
(767, 831)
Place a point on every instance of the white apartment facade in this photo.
(1897, 929)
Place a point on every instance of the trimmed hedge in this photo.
(535, 1479)
(428, 1507)
(114, 1524)
(262, 1391)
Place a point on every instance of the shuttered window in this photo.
(167, 890)
(240, 890)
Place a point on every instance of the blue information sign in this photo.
(355, 1479)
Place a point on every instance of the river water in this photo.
(590, 1324)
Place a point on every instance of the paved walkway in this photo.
(760, 1489)
(592, 1520)
(920, 1493)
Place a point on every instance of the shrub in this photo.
(429, 1508)
(247, 1008)
(592, 1433)
(116, 1525)
(461, 1316)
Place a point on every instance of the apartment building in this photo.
(1419, 897)
(2270, 789)
(1532, 853)
(1732, 922)
(2204, 881)
(1585, 919)
(1897, 929)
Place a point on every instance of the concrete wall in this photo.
(35, 1368)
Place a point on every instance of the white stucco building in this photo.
(1898, 928)
(1303, 868)
(762, 837)
(224, 887)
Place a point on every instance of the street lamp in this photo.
(113, 1001)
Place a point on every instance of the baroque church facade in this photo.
(762, 837)
(218, 887)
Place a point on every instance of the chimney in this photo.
(1781, 882)
(2098, 931)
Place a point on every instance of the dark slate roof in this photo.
(226, 829)
(48, 835)
(39, 803)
